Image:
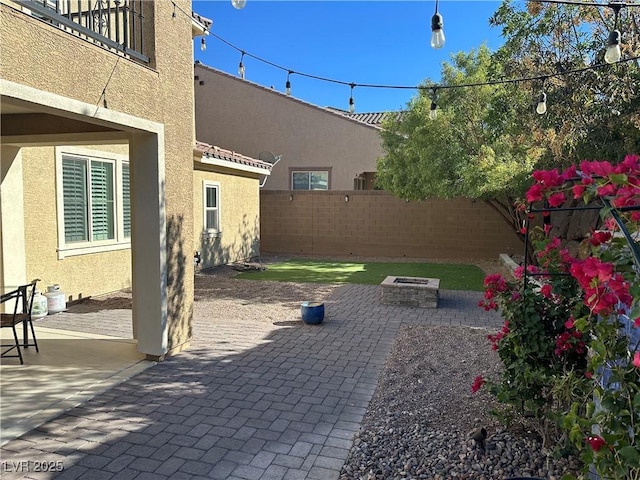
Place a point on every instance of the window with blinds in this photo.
(126, 201)
(91, 197)
(211, 207)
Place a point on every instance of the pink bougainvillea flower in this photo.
(629, 164)
(556, 199)
(477, 384)
(569, 323)
(534, 194)
(546, 290)
(548, 178)
(569, 173)
(601, 169)
(599, 237)
(588, 374)
(636, 359)
(578, 190)
(595, 442)
(636, 322)
(607, 190)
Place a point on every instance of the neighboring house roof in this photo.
(371, 118)
(333, 111)
(375, 118)
(200, 25)
(214, 155)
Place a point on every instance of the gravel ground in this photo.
(422, 419)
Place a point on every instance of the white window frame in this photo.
(120, 242)
(309, 172)
(211, 232)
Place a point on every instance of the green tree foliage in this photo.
(487, 139)
(475, 148)
(593, 114)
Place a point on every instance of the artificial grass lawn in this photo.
(452, 276)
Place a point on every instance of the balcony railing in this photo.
(113, 24)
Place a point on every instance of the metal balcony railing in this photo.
(113, 24)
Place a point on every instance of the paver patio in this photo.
(246, 401)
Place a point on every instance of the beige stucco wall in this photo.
(242, 116)
(76, 275)
(39, 55)
(239, 217)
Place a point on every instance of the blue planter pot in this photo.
(312, 312)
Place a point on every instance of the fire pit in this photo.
(410, 291)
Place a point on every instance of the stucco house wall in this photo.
(150, 106)
(237, 179)
(250, 118)
(76, 275)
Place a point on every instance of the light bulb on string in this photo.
(288, 84)
(352, 105)
(203, 44)
(437, 33)
(433, 113)
(541, 108)
(241, 69)
(174, 10)
(613, 53)
(239, 4)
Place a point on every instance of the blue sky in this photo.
(373, 42)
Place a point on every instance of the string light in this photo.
(288, 84)
(437, 34)
(541, 107)
(541, 104)
(241, 69)
(203, 44)
(352, 105)
(433, 114)
(239, 4)
(173, 15)
(613, 53)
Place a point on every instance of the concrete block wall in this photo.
(374, 223)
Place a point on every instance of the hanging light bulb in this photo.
(541, 108)
(613, 53)
(239, 4)
(352, 105)
(433, 113)
(288, 84)
(174, 10)
(437, 34)
(203, 44)
(241, 69)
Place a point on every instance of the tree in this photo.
(487, 139)
(474, 148)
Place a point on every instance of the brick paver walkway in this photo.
(245, 402)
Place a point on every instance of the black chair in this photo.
(22, 306)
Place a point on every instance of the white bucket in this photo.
(56, 302)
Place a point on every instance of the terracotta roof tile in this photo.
(204, 21)
(212, 151)
(373, 118)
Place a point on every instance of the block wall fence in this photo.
(374, 223)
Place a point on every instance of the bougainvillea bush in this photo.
(570, 345)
